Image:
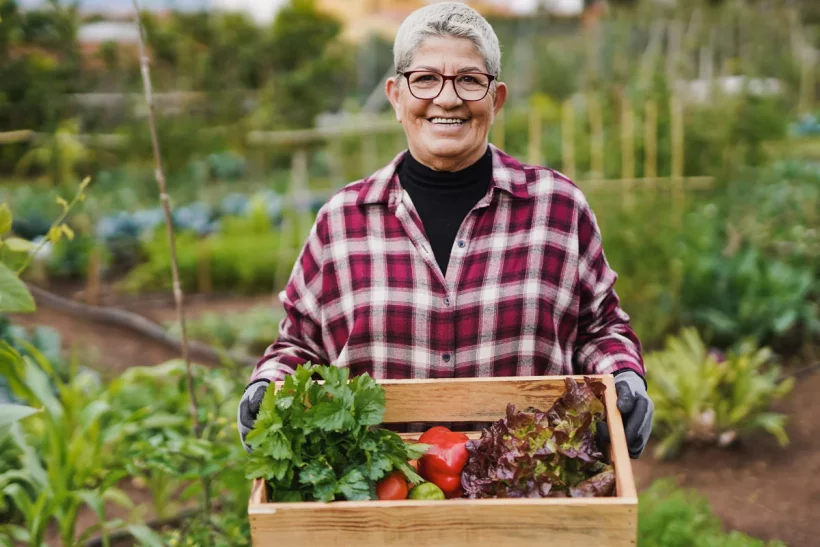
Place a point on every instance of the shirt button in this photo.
(446, 357)
(461, 244)
(447, 300)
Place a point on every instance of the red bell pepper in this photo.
(444, 460)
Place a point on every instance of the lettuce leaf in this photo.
(536, 454)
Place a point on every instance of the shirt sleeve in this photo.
(300, 332)
(605, 342)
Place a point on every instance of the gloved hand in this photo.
(249, 408)
(636, 411)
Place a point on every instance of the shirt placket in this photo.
(443, 295)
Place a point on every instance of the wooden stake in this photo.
(650, 169)
(596, 122)
(676, 118)
(677, 153)
(568, 139)
(627, 150)
(534, 141)
(159, 174)
(179, 299)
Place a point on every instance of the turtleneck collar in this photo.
(427, 178)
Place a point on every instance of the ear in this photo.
(500, 97)
(391, 89)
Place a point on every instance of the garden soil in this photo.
(758, 487)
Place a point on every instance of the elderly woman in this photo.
(455, 260)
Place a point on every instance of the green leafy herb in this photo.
(317, 441)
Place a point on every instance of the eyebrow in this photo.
(460, 71)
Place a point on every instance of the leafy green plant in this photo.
(158, 447)
(747, 295)
(777, 210)
(672, 517)
(316, 441)
(248, 332)
(701, 397)
(247, 255)
(66, 451)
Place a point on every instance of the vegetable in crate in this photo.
(426, 491)
(538, 454)
(392, 487)
(317, 442)
(444, 460)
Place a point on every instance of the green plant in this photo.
(60, 155)
(66, 451)
(744, 294)
(316, 441)
(157, 445)
(671, 517)
(704, 398)
(249, 332)
(247, 255)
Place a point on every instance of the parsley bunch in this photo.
(316, 441)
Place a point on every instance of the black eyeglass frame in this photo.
(444, 81)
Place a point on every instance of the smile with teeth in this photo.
(447, 121)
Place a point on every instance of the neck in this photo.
(438, 163)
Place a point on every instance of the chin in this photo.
(447, 148)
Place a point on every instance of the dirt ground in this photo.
(758, 488)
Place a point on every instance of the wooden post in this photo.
(335, 153)
(280, 273)
(298, 198)
(596, 122)
(677, 129)
(627, 150)
(676, 118)
(650, 169)
(534, 141)
(497, 137)
(673, 55)
(653, 49)
(568, 139)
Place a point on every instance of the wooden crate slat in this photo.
(455, 523)
(467, 399)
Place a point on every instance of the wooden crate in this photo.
(557, 522)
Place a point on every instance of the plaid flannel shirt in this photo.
(528, 289)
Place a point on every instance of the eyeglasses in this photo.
(427, 84)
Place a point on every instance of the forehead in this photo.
(447, 54)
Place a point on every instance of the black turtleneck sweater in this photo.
(443, 198)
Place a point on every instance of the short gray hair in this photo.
(446, 19)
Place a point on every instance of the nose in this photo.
(448, 98)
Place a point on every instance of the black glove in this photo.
(249, 408)
(636, 411)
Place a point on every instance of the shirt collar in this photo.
(382, 187)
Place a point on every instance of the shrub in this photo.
(671, 517)
(702, 396)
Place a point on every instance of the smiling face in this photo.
(446, 133)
